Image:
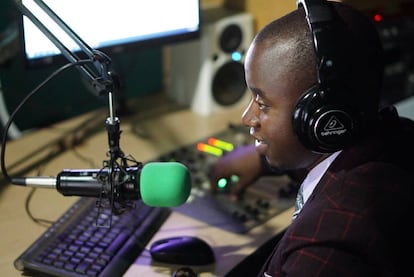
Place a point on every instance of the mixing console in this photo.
(269, 196)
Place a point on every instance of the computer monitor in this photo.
(131, 32)
(109, 26)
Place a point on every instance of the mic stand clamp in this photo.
(118, 183)
(114, 135)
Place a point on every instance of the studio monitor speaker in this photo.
(207, 74)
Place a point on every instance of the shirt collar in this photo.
(315, 175)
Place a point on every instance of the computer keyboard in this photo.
(83, 243)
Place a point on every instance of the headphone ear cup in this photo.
(321, 126)
(301, 116)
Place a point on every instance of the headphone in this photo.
(324, 118)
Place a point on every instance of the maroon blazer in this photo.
(356, 222)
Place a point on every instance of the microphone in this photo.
(157, 184)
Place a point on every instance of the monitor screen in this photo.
(110, 26)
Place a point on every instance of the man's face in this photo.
(275, 91)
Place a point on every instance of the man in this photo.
(315, 79)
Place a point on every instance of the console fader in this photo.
(266, 198)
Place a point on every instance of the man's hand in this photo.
(243, 162)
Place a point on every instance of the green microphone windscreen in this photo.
(164, 184)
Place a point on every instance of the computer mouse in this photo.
(186, 250)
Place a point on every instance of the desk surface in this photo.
(145, 136)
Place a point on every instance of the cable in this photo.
(84, 158)
(46, 222)
(25, 99)
(40, 221)
(37, 220)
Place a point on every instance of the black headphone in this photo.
(324, 118)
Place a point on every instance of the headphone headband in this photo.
(318, 13)
(322, 24)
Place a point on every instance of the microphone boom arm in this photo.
(100, 77)
(103, 82)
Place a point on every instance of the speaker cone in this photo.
(229, 84)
